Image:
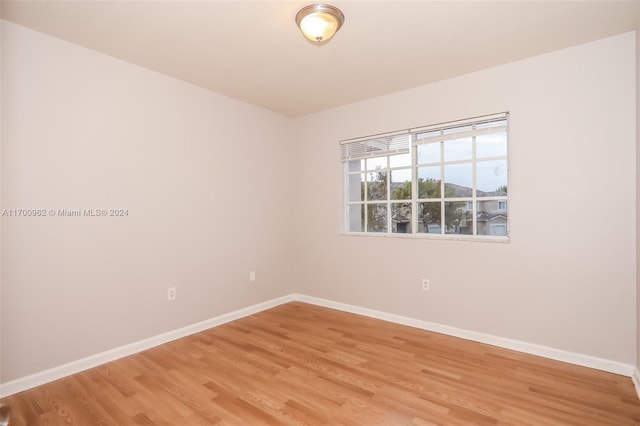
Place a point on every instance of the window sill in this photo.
(478, 238)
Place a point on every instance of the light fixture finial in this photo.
(319, 22)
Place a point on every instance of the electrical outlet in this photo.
(426, 285)
(252, 276)
(171, 293)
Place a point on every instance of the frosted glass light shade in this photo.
(319, 22)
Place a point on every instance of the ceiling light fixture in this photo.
(319, 22)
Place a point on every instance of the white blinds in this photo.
(400, 142)
(376, 146)
(484, 125)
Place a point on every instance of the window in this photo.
(446, 180)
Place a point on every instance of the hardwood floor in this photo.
(303, 364)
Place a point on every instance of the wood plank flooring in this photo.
(302, 364)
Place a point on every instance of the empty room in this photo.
(298, 213)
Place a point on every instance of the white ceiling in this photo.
(252, 50)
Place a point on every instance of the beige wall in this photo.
(205, 179)
(216, 188)
(567, 279)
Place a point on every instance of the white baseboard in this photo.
(92, 361)
(636, 380)
(530, 348)
(65, 370)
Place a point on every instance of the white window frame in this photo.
(407, 141)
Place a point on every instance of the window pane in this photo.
(429, 214)
(492, 145)
(428, 153)
(491, 219)
(377, 186)
(401, 218)
(355, 221)
(356, 187)
(400, 160)
(377, 218)
(376, 163)
(457, 218)
(429, 182)
(457, 180)
(356, 165)
(491, 178)
(458, 149)
(401, 184)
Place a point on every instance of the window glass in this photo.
(376, 163)
(401, 184)
(429, 182)
(403, 160)
(377, 218)
(457, 217)
(356, 165)
(429, 218)
(458, 149)
(356, 187)
(491, 178)
(491, 145)
(429, 153)
(458, 180)
(401, 218)
(356, 218)
(377, 186)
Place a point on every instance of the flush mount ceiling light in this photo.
(319, 22)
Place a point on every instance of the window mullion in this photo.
(389, 221)
(442, 197)
(414, 188)
(474, 187)
(365, 204)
